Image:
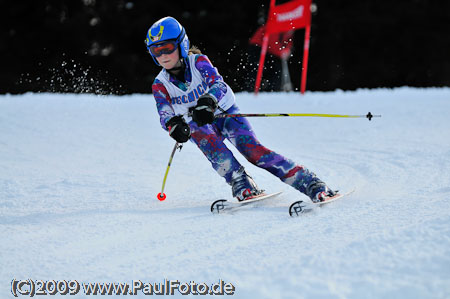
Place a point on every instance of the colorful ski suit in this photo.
(174, 97)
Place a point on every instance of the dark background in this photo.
(97, 46)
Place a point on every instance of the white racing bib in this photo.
(181, 100)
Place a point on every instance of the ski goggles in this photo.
(167, 47)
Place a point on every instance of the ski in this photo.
(224, 205)
(300, 207)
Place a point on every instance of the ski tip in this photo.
(297, 208)
(161, 196)
(218, 206)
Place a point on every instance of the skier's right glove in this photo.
(178, 129)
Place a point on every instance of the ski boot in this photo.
(243, 186)
(318, 191)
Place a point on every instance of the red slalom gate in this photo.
(286, 17)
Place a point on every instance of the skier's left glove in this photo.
(203, 113)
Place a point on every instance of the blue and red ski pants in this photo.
(210, 139)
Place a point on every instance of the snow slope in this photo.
(79, 176)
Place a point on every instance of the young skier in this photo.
(189, 92)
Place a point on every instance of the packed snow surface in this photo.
(79, 175)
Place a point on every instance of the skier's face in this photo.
(169, 61)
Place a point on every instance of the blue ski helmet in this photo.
(168, 29)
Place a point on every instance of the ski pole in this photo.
(368, 115)
(162, 196)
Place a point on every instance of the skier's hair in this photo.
(194, 50)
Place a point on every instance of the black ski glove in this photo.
(203, 113)
(178, 129)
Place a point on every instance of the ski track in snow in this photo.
(79, 176)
